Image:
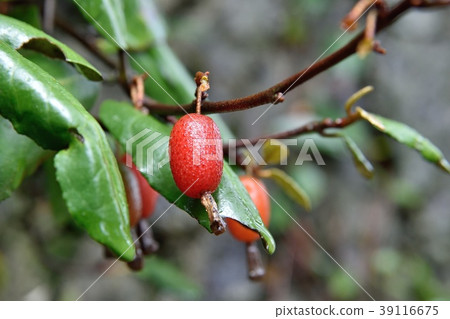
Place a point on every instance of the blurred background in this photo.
(391, 233)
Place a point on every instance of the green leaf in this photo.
(147, 141)
(87, 171)
(85, 91)
(18, 34)
(94, 193)
(54, 195)
(19, 157)
(408, 136)
(123, 23)
(364, 167)
(27, 13)
(34, 102)
(169, 81)
(289, 185)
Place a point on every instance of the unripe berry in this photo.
(196, 158)
(258, 194)
(148, 194)
(140, 194)
(133, 193)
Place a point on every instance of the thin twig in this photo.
(312, 127)
(429, 4)
(123, 74)
(271, 94)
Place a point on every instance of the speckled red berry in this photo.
(196, 158)
(258, 194)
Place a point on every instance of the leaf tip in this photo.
(445, 165)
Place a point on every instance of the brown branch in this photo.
(271, 95)
(313, 127)
(123, 74)
(275, 93)
(429, 4)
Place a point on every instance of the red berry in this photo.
(148, 196)
(196, 158)
(258, 194)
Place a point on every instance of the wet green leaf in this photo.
(85, 91)
(94, 193)
(169, 81)
(18, 34)
(34, 102)
(39, 107)
(147, 140)
(19, 157)
(408, 136)
(27, 13)
(363, 165)
(289, 185)
(124, 24)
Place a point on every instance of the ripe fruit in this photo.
(196, 158)
(140, 194)
(196, 161)
(258, 194)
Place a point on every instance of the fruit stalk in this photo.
(255, 265)
(145, 234)
(196, 156)
(216, 222)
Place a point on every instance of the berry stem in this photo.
(202, 81)
(255, 265)
(145, 234)
(216, 222)
(198, 107)
(137, 92)
(138, 262)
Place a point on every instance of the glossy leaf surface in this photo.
(408, 136)
(19, 157)
(146, 139)
(18, 34)
(39, 107)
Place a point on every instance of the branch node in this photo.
(365, 46)
(349, 22)
(377, 48)
(278, 98)
(328, 121)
